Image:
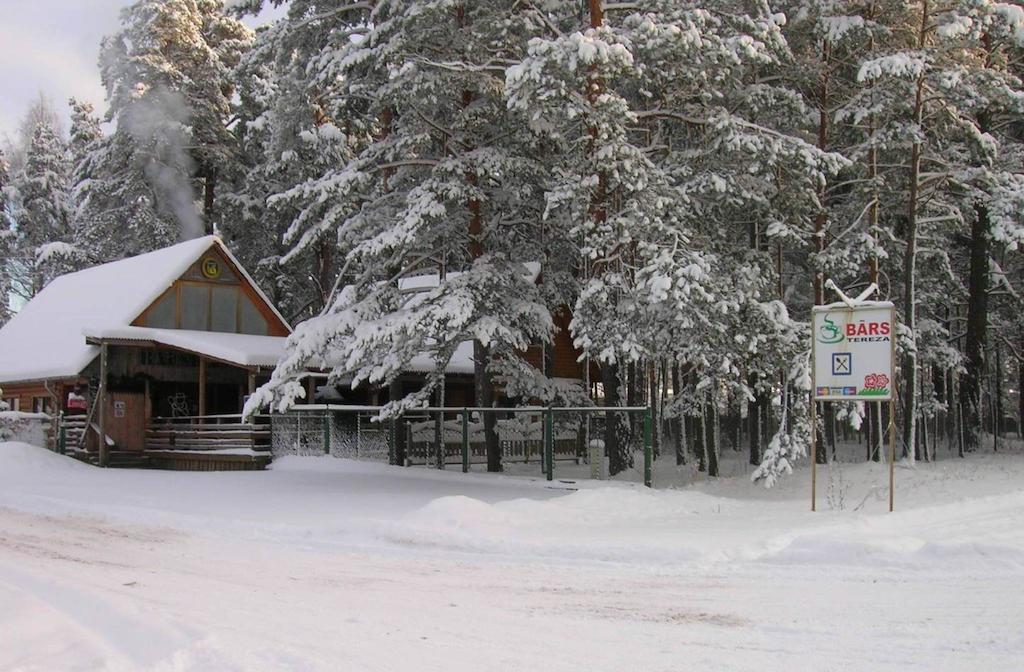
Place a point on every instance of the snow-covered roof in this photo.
(241, 349)
(45, 339)
(462, 358)
(417, 283)
(461, 361)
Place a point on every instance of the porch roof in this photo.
(240, 349)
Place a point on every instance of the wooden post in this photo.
(101, 408)
(814, 451)
(252, 382)
(465, 441)
(202, 385)
(147, 401)
(648, 445)
(892, 449)
(814, 419)
(549, 443)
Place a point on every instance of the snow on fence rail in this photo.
(448, 436)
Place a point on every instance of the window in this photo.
(250, 319)
(162, 314)
(224, 309)
(41, 405)
(207, 307)
(195, 307)
(11, 403)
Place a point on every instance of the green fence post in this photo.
(648, 446)
(465, 441)
(62, 436)
(327, 433)
(549, 444)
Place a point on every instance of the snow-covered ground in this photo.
(325, 564)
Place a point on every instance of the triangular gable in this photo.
(214, 267)
(44, 340)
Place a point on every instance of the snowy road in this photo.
(328, 565)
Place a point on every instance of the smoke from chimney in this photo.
(158, 121)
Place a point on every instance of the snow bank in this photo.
(17, 458)
(24, 427)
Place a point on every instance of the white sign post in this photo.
(853, 354)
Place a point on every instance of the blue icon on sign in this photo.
(842, 363)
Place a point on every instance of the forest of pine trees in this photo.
(687, 174)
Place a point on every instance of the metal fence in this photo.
(453, 437)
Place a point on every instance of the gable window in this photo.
(250, 320)
(207, 306)
(195, 307)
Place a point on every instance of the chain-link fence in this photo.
(469, 438)
(340, 432)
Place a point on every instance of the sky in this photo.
(52, 46)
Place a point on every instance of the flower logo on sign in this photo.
(876, 381)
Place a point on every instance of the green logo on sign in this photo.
(829, 332)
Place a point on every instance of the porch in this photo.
(175, 402)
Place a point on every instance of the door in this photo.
(126, 419)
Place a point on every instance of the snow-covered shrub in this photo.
(25, 427)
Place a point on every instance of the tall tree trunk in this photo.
(821, 222)
(394, 394)
(754, 421)
(679, 421)
(699, 439)
(910, 372)
(711, 437)
(615, 433)
(977, 326)
(874, 410)
(482, 381)
(633, 373)
(1020, 395)
(209, 192)
(325, 270)
(652, 403)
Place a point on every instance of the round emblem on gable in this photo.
(211, 268)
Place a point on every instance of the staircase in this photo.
(119, 459)
(74, 442)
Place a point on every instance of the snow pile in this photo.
(22, 459)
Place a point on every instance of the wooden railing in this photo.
(208, 433)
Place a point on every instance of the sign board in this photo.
(77, 402)
(119, 409)
(853, 352)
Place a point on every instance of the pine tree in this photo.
(178, 54)
(43, 219)
(440, 186)
(7, 240)
(286, 211)
(660, 173)
(169, 93)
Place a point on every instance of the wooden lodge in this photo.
(149, 360)
(152, 355)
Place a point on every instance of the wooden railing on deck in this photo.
(208, 433)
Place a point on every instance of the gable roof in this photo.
(46, 338)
